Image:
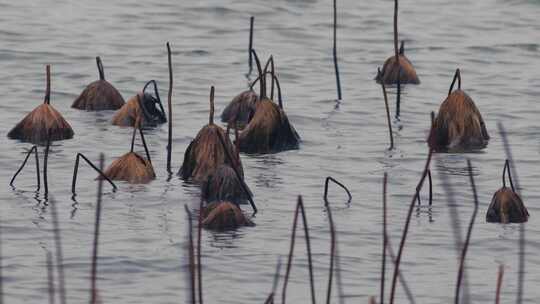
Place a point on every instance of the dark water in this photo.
(142, 256)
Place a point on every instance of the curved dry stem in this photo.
(331, 179)
(38, 178)
(299, 207)
(507, 169)
(98, 170)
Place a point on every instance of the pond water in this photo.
(142, 256)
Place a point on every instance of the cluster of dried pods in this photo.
(260, 125)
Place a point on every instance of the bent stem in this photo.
(299, 207)
(38, 177)
(332, 251)
(507, 169)
(98, 170)
(326, 183)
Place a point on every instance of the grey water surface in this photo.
(495, 43)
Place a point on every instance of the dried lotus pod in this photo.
(42, 122)
(398, 67)
(144, 107)
(269, 130)
(132, 167)
(400, 70)
(459, 124)
(506, 205)
(99, 95)
(205, 153)
(225, 184)
(224, 215)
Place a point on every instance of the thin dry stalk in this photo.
(512, 168)
(1, 276)
(499, 284)
(270, 299)
(402, 280)
(50, 277)
(457, 76)
(45, 161)
(250, 47)
(379, 74)
(332, 252)
(398, 98)
(199, 265)
(334, 52)
(93, 280)
(396, 31)
(169, 103)
(469, 233)
(38, 177)
(299, 207)
(59, 255)
(333, 237)
(191, 256)
(385, 239)
(407, 222)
